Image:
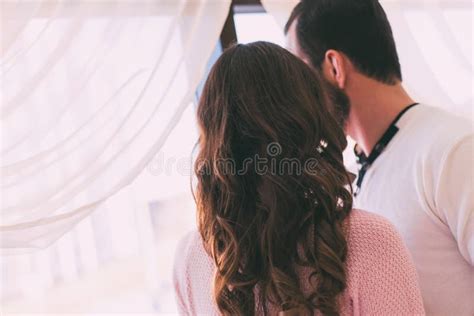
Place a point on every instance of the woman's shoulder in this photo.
(371, 236)
(192, 276)
(367, 225)
(381, 272)
(190, 251)
(374, 243)
(189, 242)
(191, 259)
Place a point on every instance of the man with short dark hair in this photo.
(416, 161)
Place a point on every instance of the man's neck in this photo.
(374, 106)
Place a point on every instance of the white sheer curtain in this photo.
(434, 40)
(90, 92)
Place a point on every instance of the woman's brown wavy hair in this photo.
(262, 107)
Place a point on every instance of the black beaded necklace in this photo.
(364, 161)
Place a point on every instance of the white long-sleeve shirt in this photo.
(423, 183)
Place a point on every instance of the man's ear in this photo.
(335, 68)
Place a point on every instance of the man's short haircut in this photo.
(357, 28)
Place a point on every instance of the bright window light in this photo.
(251, 27)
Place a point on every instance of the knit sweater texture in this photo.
(381, 277)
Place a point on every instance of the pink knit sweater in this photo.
(381, 277)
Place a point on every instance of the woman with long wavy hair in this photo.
(277, 233)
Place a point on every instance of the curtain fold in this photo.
(90, 92)
(434, 42)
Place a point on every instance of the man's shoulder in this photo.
(442, 123)
(436, 131)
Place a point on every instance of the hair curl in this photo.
(260, 226)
